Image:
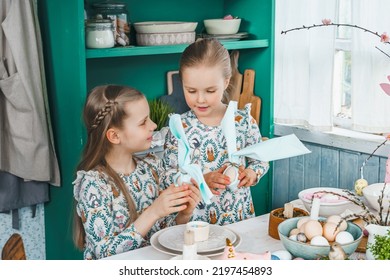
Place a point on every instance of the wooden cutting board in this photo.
(248, 96)
(175, 96)
(236, 79)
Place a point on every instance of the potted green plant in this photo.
(380, 249)
(159, 114)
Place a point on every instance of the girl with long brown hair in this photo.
(119, 201)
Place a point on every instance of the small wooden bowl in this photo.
(276, 217)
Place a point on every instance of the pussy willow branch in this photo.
(352, 197)
(370, 156)
(333, 24)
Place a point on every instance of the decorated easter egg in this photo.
(232, 172)
(360, 184)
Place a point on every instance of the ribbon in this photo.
(186, 169)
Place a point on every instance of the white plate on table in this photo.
(173, 238)
(154, 242)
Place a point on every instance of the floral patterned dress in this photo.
(208, 149)
(104, 213)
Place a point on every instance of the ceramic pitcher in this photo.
(372, 231)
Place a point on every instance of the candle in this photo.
(315, 208)
(189, 247)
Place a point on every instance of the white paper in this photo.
(275, 148)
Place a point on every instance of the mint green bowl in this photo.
(311, 252)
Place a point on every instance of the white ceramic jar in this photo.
(99, 34)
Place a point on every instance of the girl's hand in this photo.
(195, 197)
(247, 177)
(216, 180)
(171, 200)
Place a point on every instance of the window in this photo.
(328, 77)
(342, 67)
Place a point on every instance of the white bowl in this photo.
(329, 204)
(222, 26)
(164, 26)
(159, 39)
(372, 192)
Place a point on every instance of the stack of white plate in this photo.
(171, 240)
(156, 33)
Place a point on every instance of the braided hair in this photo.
(105, 108)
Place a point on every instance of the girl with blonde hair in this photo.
(205, 70)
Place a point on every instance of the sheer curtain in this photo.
(370, 67)
(304, 64)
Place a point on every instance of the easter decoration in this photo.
(230, 253)
(361, 183)
(186, 169)
(272, 149)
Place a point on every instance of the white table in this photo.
(254, 239)
(253, 233)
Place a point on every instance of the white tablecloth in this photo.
(253, 233)
(254, 239)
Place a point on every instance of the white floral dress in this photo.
(103, 209)
(208, 149)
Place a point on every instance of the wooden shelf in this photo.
(170, 49)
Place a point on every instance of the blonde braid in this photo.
(102, 114)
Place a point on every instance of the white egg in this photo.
(293, 237)
(319, 240)
(283, 255)
(344, 237)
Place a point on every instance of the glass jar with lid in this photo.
(99, 34)
(117, 13)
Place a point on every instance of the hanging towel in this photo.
(26, 141)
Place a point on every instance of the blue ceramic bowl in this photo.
(311, 252)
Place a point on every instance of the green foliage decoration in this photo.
(159, 112)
